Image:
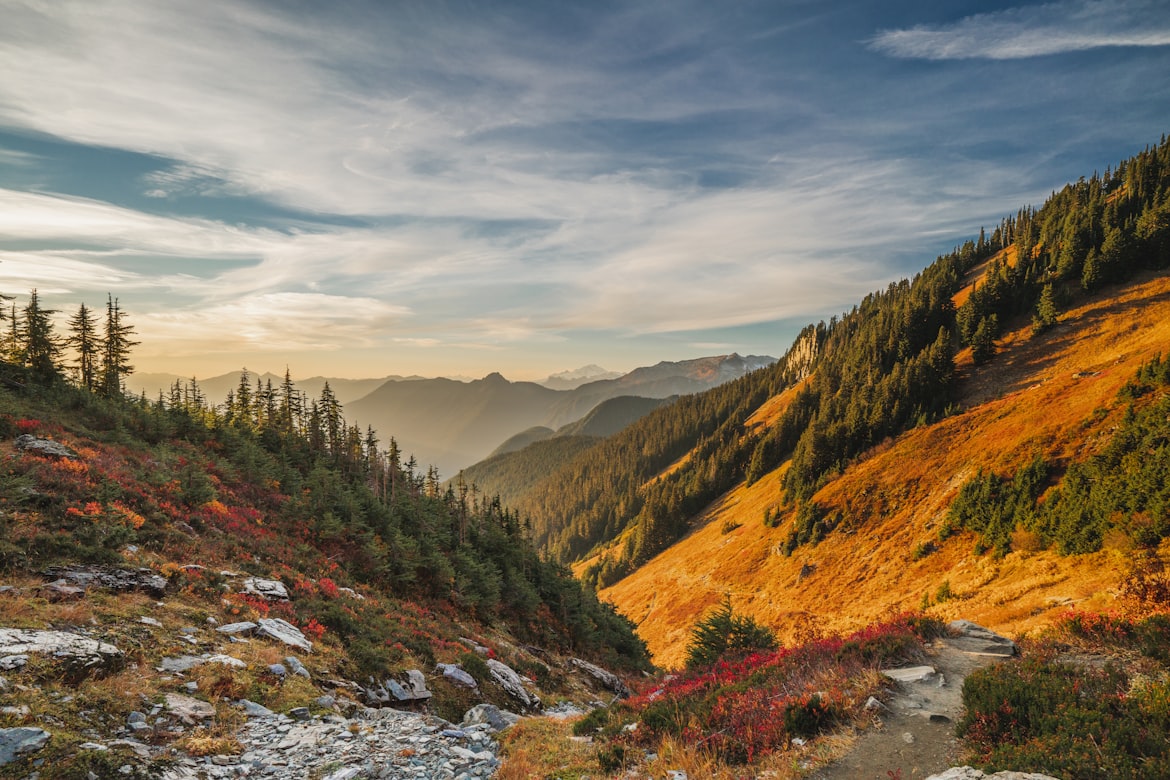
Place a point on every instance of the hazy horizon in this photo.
(453, 189)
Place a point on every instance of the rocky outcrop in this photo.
(188, 710)
(85, 577)
(45, 447)
(512, 684)
(76, 652)
(608, 679)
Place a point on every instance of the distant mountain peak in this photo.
(574, 378)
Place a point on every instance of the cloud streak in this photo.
(1035, 31)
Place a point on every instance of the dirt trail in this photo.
(915, 736)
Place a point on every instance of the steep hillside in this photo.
(1053, 394)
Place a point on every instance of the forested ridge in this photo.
(274, 482)
(885, 366)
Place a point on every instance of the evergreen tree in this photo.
(84, 340)
(1046, 315)
(983, 340)
(115, 350)
(41, 346)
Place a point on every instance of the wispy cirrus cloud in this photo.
(1033, 31)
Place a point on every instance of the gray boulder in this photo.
(15, 742)
(456, 674)
(506, 677)
(45, 447)
(608, 679)
(272, 590)
(78, 653)
(244, 627)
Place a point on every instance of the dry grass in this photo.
(543, 748)
(1039, 395)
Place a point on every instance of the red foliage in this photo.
(313, 629)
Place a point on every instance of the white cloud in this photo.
(1033, 31)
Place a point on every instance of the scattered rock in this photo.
(908, 738)
(17, 741)
(273, 590)
(44, 447)
(277, 669)
(283, 631)
(375, 743)
(11, 662)
(975, 639)
(507, 679)
(456, 674)
(873, 704)
(149, 621)
(60, 590)
(394, 692)
(610, 680)
(79, 653)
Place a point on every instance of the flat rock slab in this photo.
(973, 638)
(77, 651)
(911, 674)
(283, 631)
(456, 674)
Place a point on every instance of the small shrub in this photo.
(475, 666)
(593, 722)
(721, 632)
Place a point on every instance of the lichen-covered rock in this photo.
(608, 679)
(507, 679)
(78, 653)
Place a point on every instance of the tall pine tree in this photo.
(115, 350)
(84, 340)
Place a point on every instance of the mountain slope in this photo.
(216, 388)
(1054, 394)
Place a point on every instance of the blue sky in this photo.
(452, 188)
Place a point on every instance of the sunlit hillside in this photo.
(1052, 394)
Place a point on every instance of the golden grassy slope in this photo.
(1041, 394)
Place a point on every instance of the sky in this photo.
(367, 188)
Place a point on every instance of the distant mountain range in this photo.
(215, 389)
(571, 380)
(453, 424)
